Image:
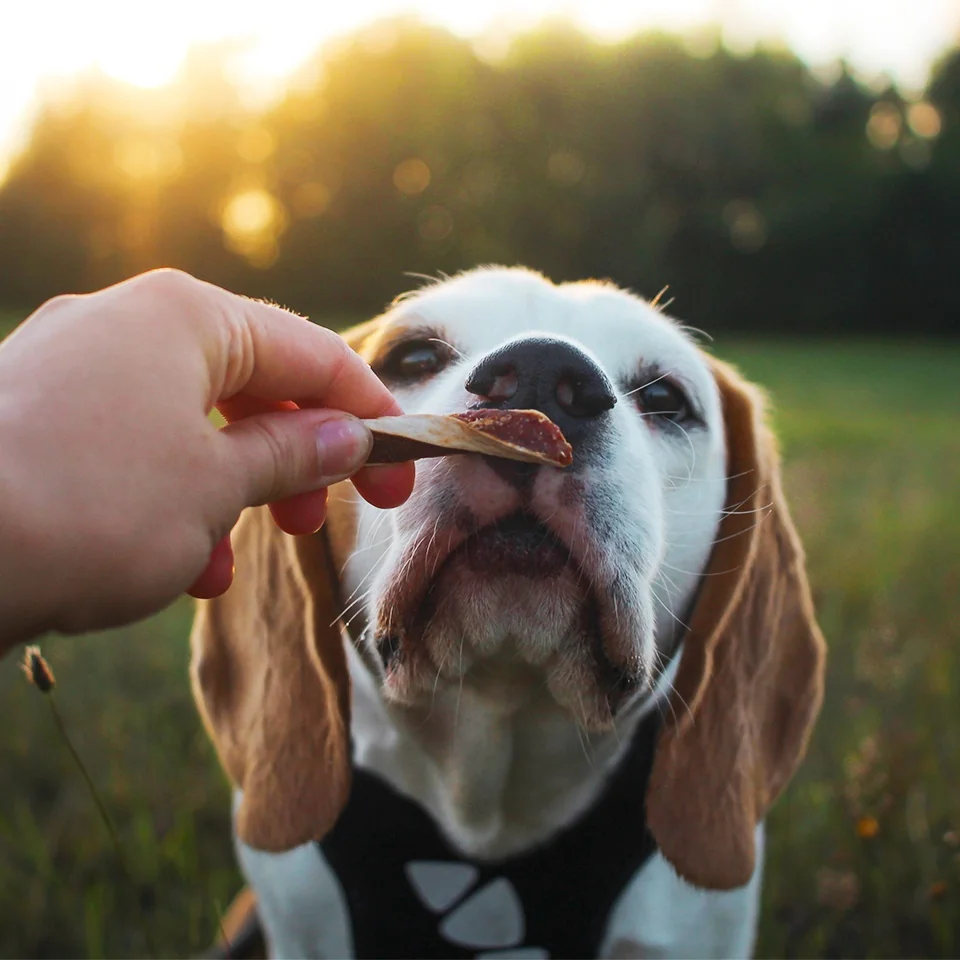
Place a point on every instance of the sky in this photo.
(45, 42)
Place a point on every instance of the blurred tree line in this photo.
(769, 199)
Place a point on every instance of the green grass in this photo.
(873, 473)
(871, 437)
(8, 320)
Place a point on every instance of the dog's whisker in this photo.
(662, 579)
(691, 330)
(643, 386)
(360, 551)
(356, 602)
(693, 449)
(582, 734)
(723, 513)
(354, 599)
(359, 586)
(705, 573)
(666, 701)
(456, 711)
(668, 610)
(732, 476)
(730, 536)
(449, 345)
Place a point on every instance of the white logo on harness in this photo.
(439, 885)
(490, 920)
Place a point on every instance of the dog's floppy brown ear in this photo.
(270, 677)
(750, 680)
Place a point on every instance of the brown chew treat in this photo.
(524, 435)
(526, 429)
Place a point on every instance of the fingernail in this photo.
(342, 447)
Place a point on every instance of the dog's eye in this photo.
(414, 360)
(663, 398)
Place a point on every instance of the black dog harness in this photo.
(411, 895)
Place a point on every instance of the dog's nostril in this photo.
(584, 396)
(504, 386)
(494, 381)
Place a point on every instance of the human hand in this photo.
(117, 491)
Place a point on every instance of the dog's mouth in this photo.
(519, 545)
(514, 578)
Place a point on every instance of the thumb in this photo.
(276, 455)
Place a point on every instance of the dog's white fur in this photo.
(499, 735)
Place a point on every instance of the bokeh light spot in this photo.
(255, 145)
(867, 827)
(884, 125)
(142, 159)
(747, 225)
(411, 177)
(924, 120)
(252, 220)
(311, 199)
(435, 223)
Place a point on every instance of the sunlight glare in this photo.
(252, 221)
(51, 40)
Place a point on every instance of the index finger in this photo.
(291, 358)
(295, 363)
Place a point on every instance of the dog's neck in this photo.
(497, 763)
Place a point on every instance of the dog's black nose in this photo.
(549, 375)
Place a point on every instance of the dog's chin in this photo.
(511, 615)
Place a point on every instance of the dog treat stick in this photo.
(524, 435)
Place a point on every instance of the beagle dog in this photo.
(533, 712)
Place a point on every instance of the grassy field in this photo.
(864, 849)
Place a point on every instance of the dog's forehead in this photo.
(479, 311)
